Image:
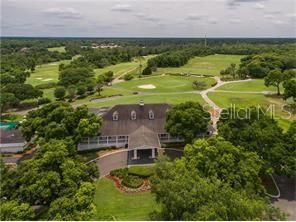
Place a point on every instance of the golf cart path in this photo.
(211, 103)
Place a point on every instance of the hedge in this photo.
(132, 181)
(143, 172)
(120, 173)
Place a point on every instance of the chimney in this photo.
(141, 103)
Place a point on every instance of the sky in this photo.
(148, 18)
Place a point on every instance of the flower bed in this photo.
(128, 182)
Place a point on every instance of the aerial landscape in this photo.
(148, 110)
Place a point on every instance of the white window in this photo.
(133, 115)
(151, 114)
(115, 116)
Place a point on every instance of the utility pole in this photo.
(205, 40)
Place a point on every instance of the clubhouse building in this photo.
(136, 127)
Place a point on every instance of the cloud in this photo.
(235, 21)
(122, 8)
(194, 17)
(235, 3)
(279, 22)
(213, 20)
(259, 5)
(292, 15)
(67, 13)
(145, 17)
(268, 16)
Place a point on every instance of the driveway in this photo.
(287, 200)
(112, 161)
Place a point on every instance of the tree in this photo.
(77, 208)
(199, 85)
(201, 186)
(147, 71)
(22, 91)
(218, 158)
(275, 78)
(71, 90)
(258, 133)
(7, 100)
(290, 89)
(12, 210)
(58, 120)
(108, 77)
(128, 77)
(100, 83)
(60, 92)
(187, 120)
(81, 89)
(72, 76)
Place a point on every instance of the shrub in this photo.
(132, 181)
(128, 77)
(42, 101)
(28, 104)
(143, 172)
(120, 173)
(48, 85)
(60, 92)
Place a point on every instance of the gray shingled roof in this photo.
(125, 126)
(143, 138)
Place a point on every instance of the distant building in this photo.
(11, 140)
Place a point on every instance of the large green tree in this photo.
(260, 133)
(276, 78)
(290, 89)
(13, 210)
(201, 186)
(187, 120)
(59, 120)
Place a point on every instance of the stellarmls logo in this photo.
(233, 111)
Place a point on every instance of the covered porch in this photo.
(143, 145)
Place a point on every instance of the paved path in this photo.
(118, 78)
(287, 200)
(112, 161)
(212, 104)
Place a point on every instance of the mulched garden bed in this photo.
(117, 181)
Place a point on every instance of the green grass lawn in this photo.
(57, 49)
(46, 73)
(124, 67)
(163, 84)
(209, 65)
(157, 98)
(256, 85)
(115, 205)
(224, 100)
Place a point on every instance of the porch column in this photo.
(135, 154)
(153, 153)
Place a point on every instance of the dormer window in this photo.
(115, 116)
(151, 114)
(133, 115)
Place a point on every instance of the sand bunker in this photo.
(45, 80)
(148, 86)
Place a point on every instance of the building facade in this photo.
(136, 127)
